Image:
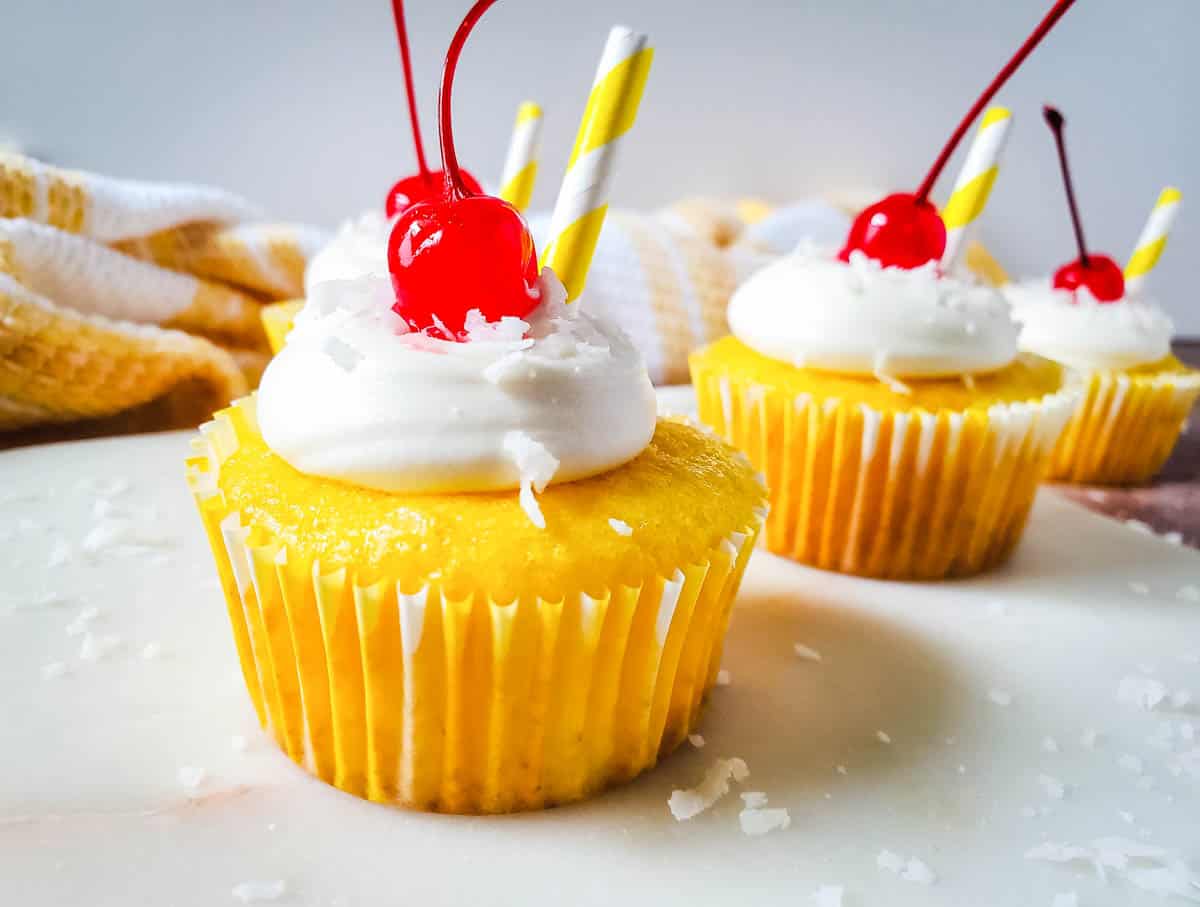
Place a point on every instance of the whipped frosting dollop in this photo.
(358, 248)
(860, 318)
(1077, 330)
(354, 396)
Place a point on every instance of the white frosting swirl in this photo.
(860, 318)
(358, 248)
(1077, 330)
(354, 397)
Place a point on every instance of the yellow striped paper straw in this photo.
(582, 201)
(975, 181)
(521, 164)
(1153, 240)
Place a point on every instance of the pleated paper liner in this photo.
(277, 319)
(1125, 427)
(901, 495)
(454, 702)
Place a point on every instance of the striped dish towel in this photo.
(136, 304)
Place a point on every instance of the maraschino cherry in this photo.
(465, 250)
(1102, 276)
(426, 183)
(905, 230)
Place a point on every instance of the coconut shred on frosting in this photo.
(1085, 334)
(354, 396)
(861, 318)
(358, 248)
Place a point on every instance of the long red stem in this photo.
(406, 59)
(455, 187)
(1026, 49)
(1056, 122)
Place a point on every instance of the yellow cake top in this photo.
(1028, 378)
(680, 497)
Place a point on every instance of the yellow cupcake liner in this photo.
(277, 320)
(451, 701)
(900, 495)
(1125, 427)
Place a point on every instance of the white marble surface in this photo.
(93, 810)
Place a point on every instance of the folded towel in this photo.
(136, 303)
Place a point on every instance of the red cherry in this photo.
(465, 251)
(426, 187)
(450, 256)
(899, 232)
(905, 231)
(1101, 275)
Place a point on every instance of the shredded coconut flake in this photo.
(696, 740)
(94, 648)
(807, 653)
(828, 896)
(536, 466)
(883, 736)
(756, 822)
(723, 678)
(1088, 738)
(1188, 593)
(754, 799)
(918, 871)
(1181, 699)
(82, 621)
(1143, 692)
(842, 770)
(1000, 697)
(1139, 589)
(1054, 788)
(60, 554)
(620, 527)
(253, 892)
(1131, 764)
(892, 862)
(54, 669)
(191, 776)
(687, 804)
(1050, 745)
(1144, 866)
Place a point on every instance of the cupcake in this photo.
(467, 568)
(900, 432)
(1116, 342)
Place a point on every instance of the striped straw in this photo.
(975, 182)
(521, 164)
(1153, 240)
(583, 198)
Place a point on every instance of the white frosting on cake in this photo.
(1075, 329)
(815, 311)
(355, 397)
(358, 248)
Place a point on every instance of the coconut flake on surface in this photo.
(1126, 817)
(1089, 738)
(253, 892)
(151, 651)
(118, 535)
(620, 527)
(1143, 692)
(60, 554)
(1054, 788)
(79, 625)
(696, 740)
(883, 737)
(536, 466)
(890, 861)
(806, 653)
(1131, 764)
(1144, 866)
(1028, 812)
(755, 821)
(54, 669)
(723, 678)
(1139, 588)
(1000, 697)
(841, 770)
(910, 869)
(1188, 593)
(829, 896)
(1181, 699)
(508, 329)
(94, 648)
(689, 803)
(191, 776)
(1050, 745)
(1139, 526)
(754, 799)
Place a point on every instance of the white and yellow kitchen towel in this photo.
(132, 302)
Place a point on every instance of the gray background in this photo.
(299, 105)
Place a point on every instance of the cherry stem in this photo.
(1056, 122)
(1025, 50)
(455, 187)
(406, 59)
